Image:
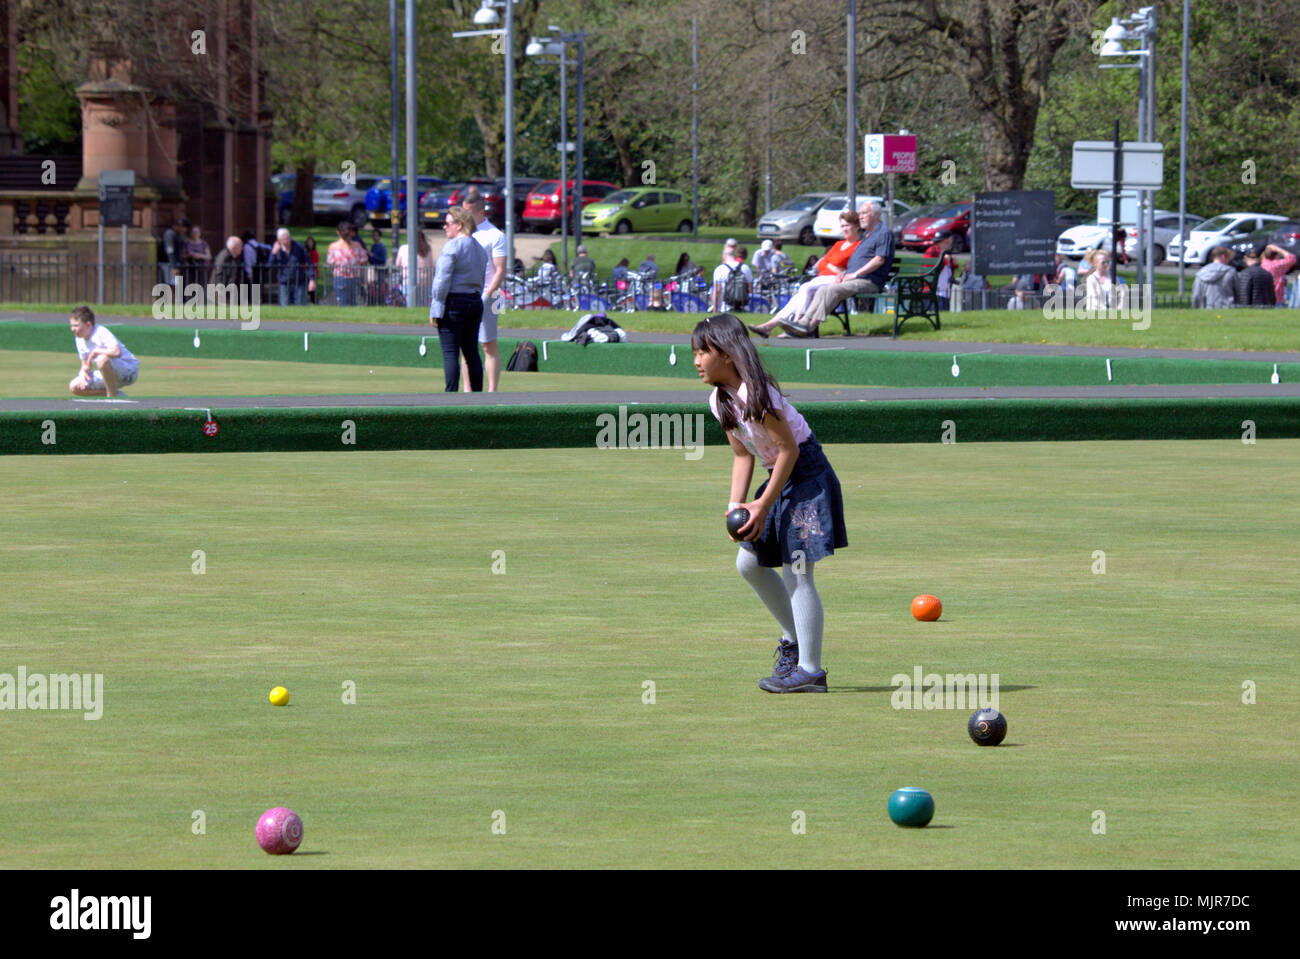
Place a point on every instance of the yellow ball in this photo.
(279, 696)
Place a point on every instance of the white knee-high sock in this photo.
(767, 583)
(806, 607)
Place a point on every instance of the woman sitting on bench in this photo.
(829, 270)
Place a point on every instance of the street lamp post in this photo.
(1139, 26)
(557, 47)
(851, 105)
(487, 16)
(1182, 151)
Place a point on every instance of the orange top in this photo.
(837, 255)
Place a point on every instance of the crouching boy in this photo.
(106, 365)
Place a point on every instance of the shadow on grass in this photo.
(894, 689)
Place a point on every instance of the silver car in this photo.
(1166, 228)
(794, 220)
(332, 199)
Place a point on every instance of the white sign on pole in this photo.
(1128, 207)
(1094, 165)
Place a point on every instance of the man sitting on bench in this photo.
(866, 272)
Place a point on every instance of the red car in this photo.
(542, 208)
(954, 219)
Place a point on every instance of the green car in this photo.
(646, 209)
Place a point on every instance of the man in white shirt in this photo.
(763, 256)
(493, 242)
(106, 365)
(730, 262)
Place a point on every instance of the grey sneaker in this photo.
(796, 681)
(785, 659)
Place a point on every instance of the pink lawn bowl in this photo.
(279, 831)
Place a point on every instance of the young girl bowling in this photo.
(797, 514)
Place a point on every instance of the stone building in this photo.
(206, 158)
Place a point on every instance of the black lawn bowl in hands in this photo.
(987, 727)
(735, 520)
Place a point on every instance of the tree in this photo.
(1002, 51)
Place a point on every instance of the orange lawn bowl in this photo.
(927, 608)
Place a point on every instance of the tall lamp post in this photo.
(486, 16)
(557, 47)
(1139, 26)
(851, 104)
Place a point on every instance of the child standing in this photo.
(796, 516)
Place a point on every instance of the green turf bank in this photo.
(575, 426)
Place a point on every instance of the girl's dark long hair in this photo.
(725, 334)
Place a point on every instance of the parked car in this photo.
(901, 223)
(332, 199)
(954, 218)
(1223, 230)
(494, 199)
(1166, 229)
(793, 220)
(493, 191)
(1287, 236)
(542, 211)
(1068, 218)
(642, 210)
(1252, 243)
(435, 203)
(379, 197)
(1078, 240)
(826, 224)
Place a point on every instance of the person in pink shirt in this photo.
(1279, 263)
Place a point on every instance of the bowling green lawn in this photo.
(38, 374)
(554, 662)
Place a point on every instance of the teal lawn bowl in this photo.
(911, 806)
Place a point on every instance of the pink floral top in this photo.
(345, 259)
(754, 437)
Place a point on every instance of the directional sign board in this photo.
(889, 153)
(116, 197)
(1013, 232)
(1143, 165)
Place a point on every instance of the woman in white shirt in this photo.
(1101, 289)
(423, 269)
(547, 271)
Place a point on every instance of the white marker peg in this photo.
(304, 342)
(807, 360)
(672, 355)
(423, 349)
(1108, 368)
(1274, 377)
(196, 339)
(956, 370)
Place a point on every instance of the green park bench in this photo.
(915, 280)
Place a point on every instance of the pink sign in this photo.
(889, 153)
(900, 153)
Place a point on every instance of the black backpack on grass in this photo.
(524, 359)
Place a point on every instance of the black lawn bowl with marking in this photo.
(987, 727)
(735, 520)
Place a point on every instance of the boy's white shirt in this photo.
(102, 339)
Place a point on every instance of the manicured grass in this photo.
(33, 373)
(500, 614)
(1169, 329)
